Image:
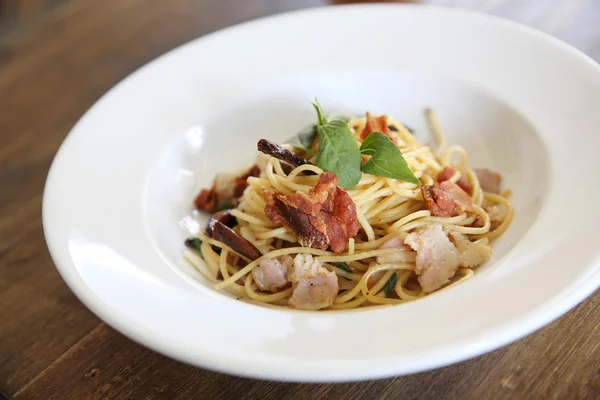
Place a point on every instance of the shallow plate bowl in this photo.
(117, 203)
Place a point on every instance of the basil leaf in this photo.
(321, 120)
(390, 285)
(344, 266)
(338, 151)
(339, 117)
(194, 244)
(304, 138)
(386, 159)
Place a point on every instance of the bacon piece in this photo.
(225, 192)
(496, 215)
(394, 241)
(315, 287)
(271, 275)
(437, 258)
(295, 220)
(377, 124)
(489, 180)
(463, 183)
(323, 218)
(446, 199)
(471, 253)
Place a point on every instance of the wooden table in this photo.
(54, 66)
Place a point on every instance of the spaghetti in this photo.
(386, 262)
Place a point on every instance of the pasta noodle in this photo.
(385, 208)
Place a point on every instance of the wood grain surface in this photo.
(54, 66)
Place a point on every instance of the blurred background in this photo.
(574, 21)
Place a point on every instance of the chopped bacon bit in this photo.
(394, 241)
(377, 124)
(472, 254)
(271, 274)
(314, 286)
(446, 199)
(445, 174)
(241, 182)
(448, 172)
(206, 200)
(437, 258)
(489, 180)
(225, 191)
(324, 217)
(496, 216)
(295, 220)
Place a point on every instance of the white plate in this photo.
(519, 101)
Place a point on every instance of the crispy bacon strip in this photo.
(225, 191)
(323, 218)
(446, 199)
(448, 172)
(377, 124)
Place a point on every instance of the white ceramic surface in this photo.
(117, 203)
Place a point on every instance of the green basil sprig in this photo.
(306, 136)
(345, 267)
(386, 159)
(195, 244)
(225, 206)
(338, 151)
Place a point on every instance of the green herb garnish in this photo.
(225, 206)
(195, 244)
(345, 267)
(307, 135)
(386, 159)
(338, 152)
(304, 138)
(390, 284)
